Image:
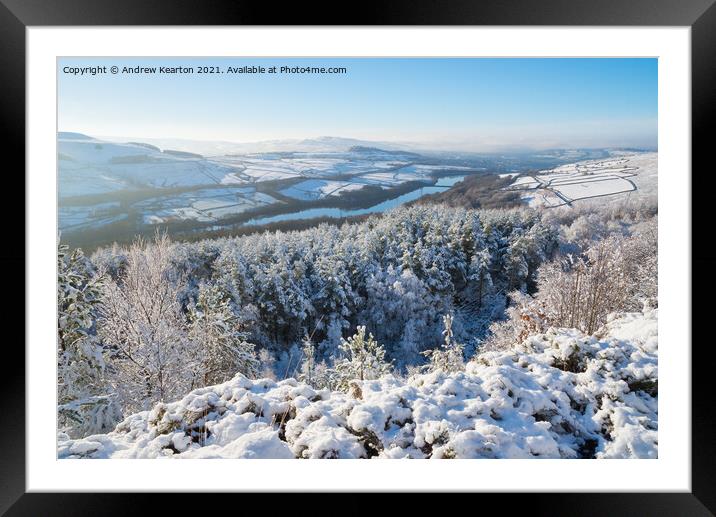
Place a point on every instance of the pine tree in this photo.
(479, 275)
(219, 338)
(267, 364)
(333, 298)
(449, 357)
(85, 405)
(308, 365)
(363, 359)
(516, 265)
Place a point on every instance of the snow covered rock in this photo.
(556, 395)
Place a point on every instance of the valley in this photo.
(112, 191)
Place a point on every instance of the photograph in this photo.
(357, 257)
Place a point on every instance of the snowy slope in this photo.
(556, 395)
(90, 166)
(631, 176)
(171, 186)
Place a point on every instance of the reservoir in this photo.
(442, 185)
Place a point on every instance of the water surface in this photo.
(440, 186)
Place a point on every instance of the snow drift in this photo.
(560, 394)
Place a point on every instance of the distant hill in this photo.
(66, 135)
(146, 146)
(321, 144)
(182, 154)
(362, 149)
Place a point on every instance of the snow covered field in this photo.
(90, 166)
(291, 165)
(625, 174)
(556, 395)
(181, 186)
(203, 205)
(318, 189)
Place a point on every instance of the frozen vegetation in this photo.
(561, 394)
(427, 332)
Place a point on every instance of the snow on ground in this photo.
(318, 189)
(527, 182)
(202, 205)
(271, 166)
(91, 150)
(556, 395)
(75, 216)
(393, 178)
(587, 189)
(91, 166)
(632, 175)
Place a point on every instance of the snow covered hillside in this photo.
(605, 181)
(138, 185)
(560, 394)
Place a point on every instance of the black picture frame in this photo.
(700, 15)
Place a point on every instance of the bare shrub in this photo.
(614, 274)
(141, 321)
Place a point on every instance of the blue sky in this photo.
(462, 103)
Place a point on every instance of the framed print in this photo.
(446, 233)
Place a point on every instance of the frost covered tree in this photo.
(479, 275)
(525, 317)
(324, 377)
(85, 403)
(642, 267)
(516, 263)
(218, 335)
(267, 364)
(78, 294)
(404, 312)
(333, 300)
(142, 323)
(579, 292)
(613, 274)
(449, 357)
(363, 359)
(396, 274)
(308, 364)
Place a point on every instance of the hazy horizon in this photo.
(397, 143)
